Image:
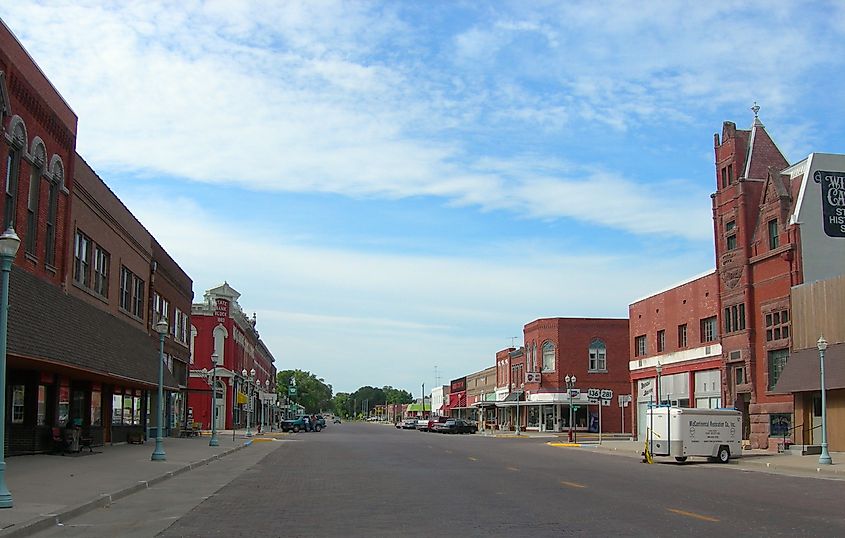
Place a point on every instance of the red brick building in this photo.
(219, 325)
(533, 377)
(82, 350)
(676, 331)
(769, 237)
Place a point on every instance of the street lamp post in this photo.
(824, 458)
(214, 441)
(249, 382)
(158, 453)
(9, 243)
(265, 404)
(570, 384)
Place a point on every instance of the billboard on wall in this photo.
(833, 201)
(458, 385)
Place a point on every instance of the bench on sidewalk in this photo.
(194, 429)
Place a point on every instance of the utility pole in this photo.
(422, 415)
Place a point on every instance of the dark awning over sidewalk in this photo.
(802, 372)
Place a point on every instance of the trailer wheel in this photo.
(680, 459)
(724, 454)
(317, 428)
(296, 428)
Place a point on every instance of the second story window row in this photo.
(90, 265)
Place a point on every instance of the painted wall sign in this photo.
(833, 201)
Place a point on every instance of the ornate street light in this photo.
(9, 243)
(214, 441)
(158, 453)
(249, 378)
(824, 458)
(570, 384)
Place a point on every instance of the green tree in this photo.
(397, 396)
(312, 393)
(341, 405)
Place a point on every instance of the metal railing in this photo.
(805, 434)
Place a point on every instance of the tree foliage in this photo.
(362, 401)
(312, 393)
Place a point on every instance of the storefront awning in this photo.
(515, 396)
(802, 371)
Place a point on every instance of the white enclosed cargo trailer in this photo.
(681, 432)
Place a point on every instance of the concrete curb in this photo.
(47, 521)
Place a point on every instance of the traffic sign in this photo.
(606, 394)
(593, 393)
(574, 393)
(605, 403)
(292, 391)
(594, 400)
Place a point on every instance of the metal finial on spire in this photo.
(755, 109)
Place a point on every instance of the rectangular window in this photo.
(661, 340)
(773, 234)
(777, 360)
(13, 161)
(682, 336)
(640, 348)
(101, 271)
(730, 242)
(739, 375)
(52, 213)
(138, 308)
(82, 259)
(96, 408)
(32, 209)
(116, 409)
(41, 416)
(131, 293)
(724, 177)
(780, 424)
(709, 330)
(127, 409)
(734, 318)
(777, 325)
(17, 404)
(730, 174)
(598, 359)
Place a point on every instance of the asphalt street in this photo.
(373, 480)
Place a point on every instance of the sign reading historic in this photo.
(833, 201)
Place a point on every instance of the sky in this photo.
(396, 188)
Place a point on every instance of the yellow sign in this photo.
(242, 399)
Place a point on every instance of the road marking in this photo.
(449, 452)
(513, 469)
(692, 515)
(572, 484)
(564, 444)
(473, 459)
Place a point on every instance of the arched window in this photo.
(39, 162)
(598, 356)
(548, 357)
(17, 129)
(57, 180)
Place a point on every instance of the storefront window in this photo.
(17, 404)
(780, 424)
(136, 410)
(64, 404)
(127, 409)
(78, 407)
(533, 416)
(116, 408)
(96, 408)
(41, 418)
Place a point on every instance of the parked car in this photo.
(408, 424)
(433, 421)
(456, 425)
(320, 421)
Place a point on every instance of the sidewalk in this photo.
(49, 488)
(763, 460)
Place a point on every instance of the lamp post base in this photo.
(158, 453)
(824, 458)
(213, 441)
(5, 496)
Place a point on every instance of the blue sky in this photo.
(404, 185)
